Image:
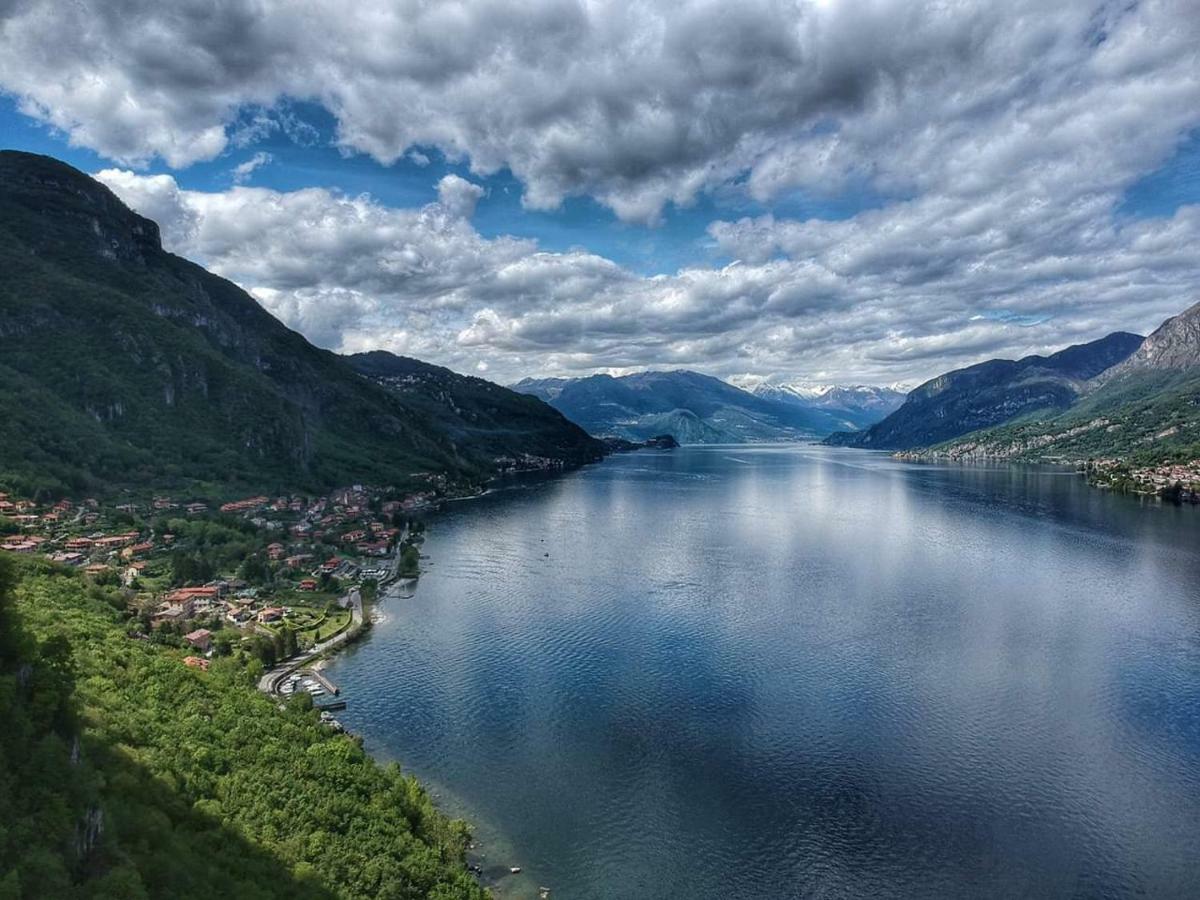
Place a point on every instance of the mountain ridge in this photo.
(991, 393)
(521, 427)
(123, 364)
(1144, 410)
(690, 406)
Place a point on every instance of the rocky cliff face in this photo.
(1173, 345)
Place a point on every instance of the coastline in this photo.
(489, 858)
(490, 855)
(1167, 483)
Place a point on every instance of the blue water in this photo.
(769, 672)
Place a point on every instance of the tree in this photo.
(254, 570)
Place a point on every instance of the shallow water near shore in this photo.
(798, 671)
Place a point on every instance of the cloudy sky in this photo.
(868, 191)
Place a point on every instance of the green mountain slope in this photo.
(473, 411)
(121, 364)
(1145, 410)
(991, 393)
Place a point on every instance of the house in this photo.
(19, 546)
(195, 662)
(275, 551)
(330, 565)
(271, 614)
(307, 584)
(250, 503)
(297, 561)
(116, 541)
(201, 639)
(80, 544)
(170, 613)
(136, 550)
(182, 604)
(192, 597)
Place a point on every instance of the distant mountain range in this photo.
(991, 393)
(124, 365)
(700, 409)
(861, 405)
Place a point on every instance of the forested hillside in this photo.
(125, 774)
(473, 410)
(124, 365)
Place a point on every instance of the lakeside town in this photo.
(272, 580)
(1177, 482)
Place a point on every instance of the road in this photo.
(271, 679)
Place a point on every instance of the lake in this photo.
(767, 672)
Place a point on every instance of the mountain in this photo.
(472, 410)
(122, 364)
(860, 405)
(1145, 409)
(692, 408)
(992, 393)
(1172, 347)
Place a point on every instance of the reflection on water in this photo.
(777, 672)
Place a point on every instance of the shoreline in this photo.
(497, 878)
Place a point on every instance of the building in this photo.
(201, 639)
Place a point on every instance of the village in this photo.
(1177, 482)
(269, 578)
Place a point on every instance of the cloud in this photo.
(998, 139)
(891, 295)
(243, 171)
(458, 196)
(637, 105)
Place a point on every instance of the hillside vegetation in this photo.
(125, 774)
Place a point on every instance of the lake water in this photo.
(766, 672)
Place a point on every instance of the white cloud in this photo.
(242, 171)
(637, 105)
(866, 300)
(997, 141)
(458, 196)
